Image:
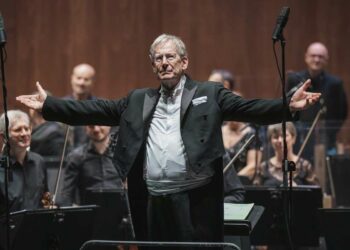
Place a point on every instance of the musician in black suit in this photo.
(333, 101)
(170, 145)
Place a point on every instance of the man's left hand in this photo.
(302, 99)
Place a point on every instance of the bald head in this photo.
(82, 80)
(316, 58)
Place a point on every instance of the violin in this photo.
(47, 201)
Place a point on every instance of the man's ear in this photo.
(184, 62)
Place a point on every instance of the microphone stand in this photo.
(287, 166)
(5, 158)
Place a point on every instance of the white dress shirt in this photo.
(166, 165)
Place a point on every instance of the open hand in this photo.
(35, 101)
(302, 99)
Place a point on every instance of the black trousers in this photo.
(191, 216)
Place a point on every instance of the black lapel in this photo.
(150, 102)
(187, 95)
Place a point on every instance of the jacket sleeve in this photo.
(89, 112)
(258, 111)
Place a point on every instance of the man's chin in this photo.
(97, 139)
(169, 83)
(23, 146)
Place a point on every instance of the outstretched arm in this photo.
(72, 112)
(262, 111)
(34, 101)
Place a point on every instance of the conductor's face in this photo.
(168, 64)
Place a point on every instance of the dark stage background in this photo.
(46, 38)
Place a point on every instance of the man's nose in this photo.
(95, 128)
(81, 82)
(164, 60)
(23, 132)
(317, 58)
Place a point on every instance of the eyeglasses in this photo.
(170, 57)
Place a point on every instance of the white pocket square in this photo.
(199, 100)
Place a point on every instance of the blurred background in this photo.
(46, 39)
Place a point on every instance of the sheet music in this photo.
(237, 211)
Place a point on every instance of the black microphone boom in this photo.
(2, 32)
(282, 20)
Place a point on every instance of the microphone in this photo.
(282, 20)
(2, 32)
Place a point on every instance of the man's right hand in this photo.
(34, 101)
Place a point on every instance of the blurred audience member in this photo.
(27, 173)
(270, 173)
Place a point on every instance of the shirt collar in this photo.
(177, 90)
(27, 158)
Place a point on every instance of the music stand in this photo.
(338, 167)
(335, 227)
(111, 222)
(238, 231)
(51, 229)
(244, 227)
(270, 229)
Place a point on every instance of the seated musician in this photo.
(270, 172)
(89, 167)
(27, 173)
(235, 135)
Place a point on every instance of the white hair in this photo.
(164, 38)
(13, 116)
